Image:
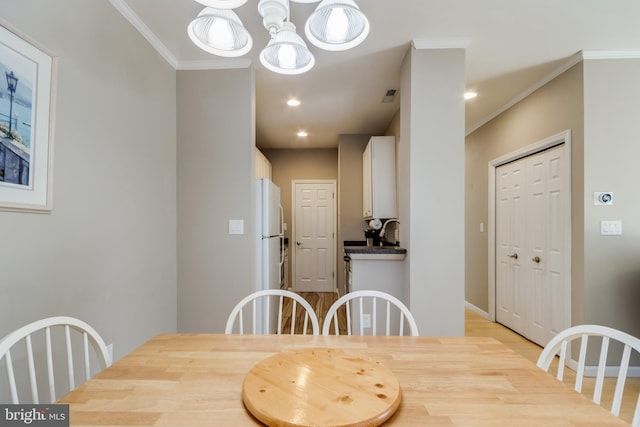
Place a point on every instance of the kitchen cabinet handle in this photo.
(536, 259)
(298, 243)
(514, 256)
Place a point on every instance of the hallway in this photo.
(476, 325)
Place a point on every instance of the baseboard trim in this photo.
(609, 371)
(476, 309)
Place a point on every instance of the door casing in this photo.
(292, 252)
(552, 141)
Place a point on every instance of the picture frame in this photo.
(26, 124)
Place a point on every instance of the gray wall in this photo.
(107, 251)
(611, 153)
(431, 162)
(216, 183)
(553, 108)
(288, 165)
(597, 101)
(351, 224)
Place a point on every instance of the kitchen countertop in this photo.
(389, 253)
(374, 250)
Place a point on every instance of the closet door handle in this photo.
(514, 256)
(536, 259)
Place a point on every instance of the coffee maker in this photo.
(372, 237)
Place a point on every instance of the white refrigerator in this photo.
(270, 243)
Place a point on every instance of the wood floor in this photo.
(320, 301)
(477, 326)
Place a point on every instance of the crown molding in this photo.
(126, 11)
(440, 43)
(611, 54)
(573, 60)
(214, 64)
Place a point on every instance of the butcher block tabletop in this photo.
(340, 388)
(212, 380)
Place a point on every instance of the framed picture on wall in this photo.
(26, 145)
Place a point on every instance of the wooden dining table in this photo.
(195, 380)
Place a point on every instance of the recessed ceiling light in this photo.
(302, 134)
(470, 95)
(293, 103)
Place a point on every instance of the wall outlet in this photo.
(366, 321)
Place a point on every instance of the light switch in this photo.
(236, 226)
(610, 228)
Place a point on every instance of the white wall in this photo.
(216, 183)
(107, 251)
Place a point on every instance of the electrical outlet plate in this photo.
(236, 226)
(366, 320)
(610, 228)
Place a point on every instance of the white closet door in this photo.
(530, 238)
(558, 257)
(510, 227)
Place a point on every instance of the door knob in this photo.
(514, 256)
(298, 243)
(536, 259)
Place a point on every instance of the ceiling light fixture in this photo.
(286, 52)
(337, 25)
(223, 4)
(219, 31)
(302, 134)
(293, 103)
(334, 25)
(470, 95)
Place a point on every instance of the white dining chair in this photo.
(47, 341)
(267, 306)
(359, 302)
(602, 338)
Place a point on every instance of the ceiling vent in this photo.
(390, 95)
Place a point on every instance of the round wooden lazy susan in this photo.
(321, 387)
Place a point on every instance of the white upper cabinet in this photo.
(379, 178)
(263, 166)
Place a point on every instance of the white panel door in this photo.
(531, 203)
(547, 195)
(536, 244)
(557, 268)
(314, 233)
(510, 293)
